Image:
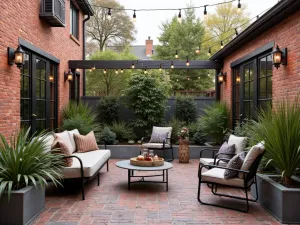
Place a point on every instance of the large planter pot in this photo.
(23, 206)
(280, 201)
(184, 150)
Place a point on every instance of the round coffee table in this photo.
(125, 164)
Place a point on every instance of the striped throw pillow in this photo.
(86, 143)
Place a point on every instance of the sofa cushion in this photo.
(155, 145)
(163, 130)
(85, 143)
(216, 175)
(254, 152)
(235, 163)
(64, 137)
(158, 137)
(92, 161)
(71, 136)
(210, 161)
(239, 142)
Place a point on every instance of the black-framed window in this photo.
(265, 73)
(74, 20)
(75, 87)
(26, 91)
(248, 90)
(236, 94)
(53, 96)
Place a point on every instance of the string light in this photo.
(104, 71)
(177, 80)
(198, 77)
(51, 78)
(132, 65)
(122, 70)
(188, 78)
(176, 54)
(77, 69)
(90, 69)
(94, 67)
(187, 61)
(116, 71)
(109, 14)
(134, 16)
(160, 69)
(172, 65)
(145, 71)
(198, 50)
(179, 20)
(236, 31)
(239, 7)
(209, 51)
(222, 45)
(205, 11)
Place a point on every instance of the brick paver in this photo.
(145, 204)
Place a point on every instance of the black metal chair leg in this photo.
(98, 178)
(82, 188)
(107, 168)
(172, 154)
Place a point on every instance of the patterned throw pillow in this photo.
(235, 163)
(158, 137)
(227, 149)
(86, 143)
(62, 148)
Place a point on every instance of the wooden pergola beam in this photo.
(142, 64)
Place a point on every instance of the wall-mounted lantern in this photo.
(69, 76)
(238, 79)
(51, 78)
(222, 77)
(16, 56)
(279, 57)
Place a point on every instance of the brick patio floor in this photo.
(112, 203)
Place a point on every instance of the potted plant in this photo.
(24, 166)
(183, 148)
(279, 128)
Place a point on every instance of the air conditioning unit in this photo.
(53, 11)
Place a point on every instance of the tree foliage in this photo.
(117, 31)
(147, 99)
(220, 25)
(186, 109)
(99, 83)
(184, 38)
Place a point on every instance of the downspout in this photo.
(83, 30)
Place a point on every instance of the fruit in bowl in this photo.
(140, 158)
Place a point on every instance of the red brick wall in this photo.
(286, 80)
(149, 47)
(20, 18)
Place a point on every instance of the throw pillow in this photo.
(239, 142)
(60, 147)
(64, 137)
(226, 149)
(235, 163)
(86, 143)
(158, 137)
(71, 136)
(254, 152)
(162, 130)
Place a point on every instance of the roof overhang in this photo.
(85, 7)
(271, 18)
(142, 64)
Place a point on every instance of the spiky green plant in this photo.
(215, 121)
(280, 130)
(24, 161)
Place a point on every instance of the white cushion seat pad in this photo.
(91, 161)
(216, 175)
(210, 161)
(155, 145)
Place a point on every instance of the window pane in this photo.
(43, 89)
(246, 71)
(262, 65)
(25, 109)
(40, 109)
(246, 109)
(38, 88)
(237, 110)
(26, 65)
(262, 88)
(251, 92)
(251, 71)
(269, 65)
(237, 93)
(246, 91)
(40, 125)
(269, 87)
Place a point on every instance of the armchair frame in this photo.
(249, 179)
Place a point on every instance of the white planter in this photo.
(23, 207)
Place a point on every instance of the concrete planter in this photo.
(281, 202)
(23, 207)
(129, 151)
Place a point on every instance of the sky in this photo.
(148, 23)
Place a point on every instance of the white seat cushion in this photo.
(71, 136)
(216, 175)
(239, 142)
(91, 161)
(155, 145)
(210, 161)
